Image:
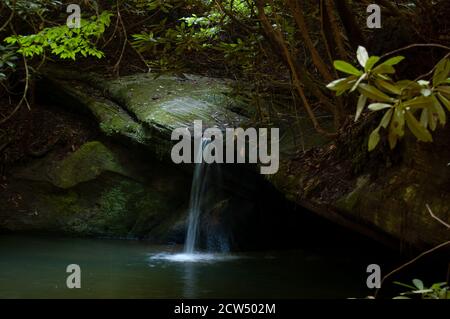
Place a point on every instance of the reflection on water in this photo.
(35, 267)
(188, 261)
(189, 281)
(197, 257)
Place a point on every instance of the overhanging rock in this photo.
(146, 109)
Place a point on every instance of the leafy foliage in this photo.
(28, 8)
(64, 42)
(203, 32)
(8, 60)
(436, 291)
(419, 105)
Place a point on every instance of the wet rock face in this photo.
(395, 202)
(385, 200)
(144, 109)
(168, 102)
(109, 190)
(98, 190)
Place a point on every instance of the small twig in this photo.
(6, 89)
(139, 55)
(113, 34)
(144, 20)
(44, 58)
(13, 11)
(411, 262)
(431, 71)
(119, 17)
(25, 91)
(277, 37)
(437, 218)
(391, 7)
(324, 38)
(417, 45)
(24, 96)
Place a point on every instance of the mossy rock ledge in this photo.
(145, 109)
(98, 190)
(387, 203)
(122, 184)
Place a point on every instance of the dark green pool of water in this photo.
(35, 267)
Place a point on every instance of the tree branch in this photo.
(296, 72)
(303, 28)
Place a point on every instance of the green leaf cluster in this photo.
(418, 105)
(436, 291)
(64, 42)
(202, 32)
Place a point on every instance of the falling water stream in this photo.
(198, 202)
(197, 191)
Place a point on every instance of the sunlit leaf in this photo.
(395, 60)
(347, 68)
(384, 69)
(379, 106)
(362, 56)
(371, 62)
(361, 78)
(386, 118)
(360, 107)
(418, 283)
(426, 92)
(424, 83)
(342, 84)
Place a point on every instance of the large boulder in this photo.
(144, 109)
(97, 190)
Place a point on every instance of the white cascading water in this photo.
(201, 187)
(197, 190)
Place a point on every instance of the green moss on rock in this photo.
(88, 162)
(98, 191)
(167, 102)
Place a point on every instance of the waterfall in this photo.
(205, 207)
(197, 192)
